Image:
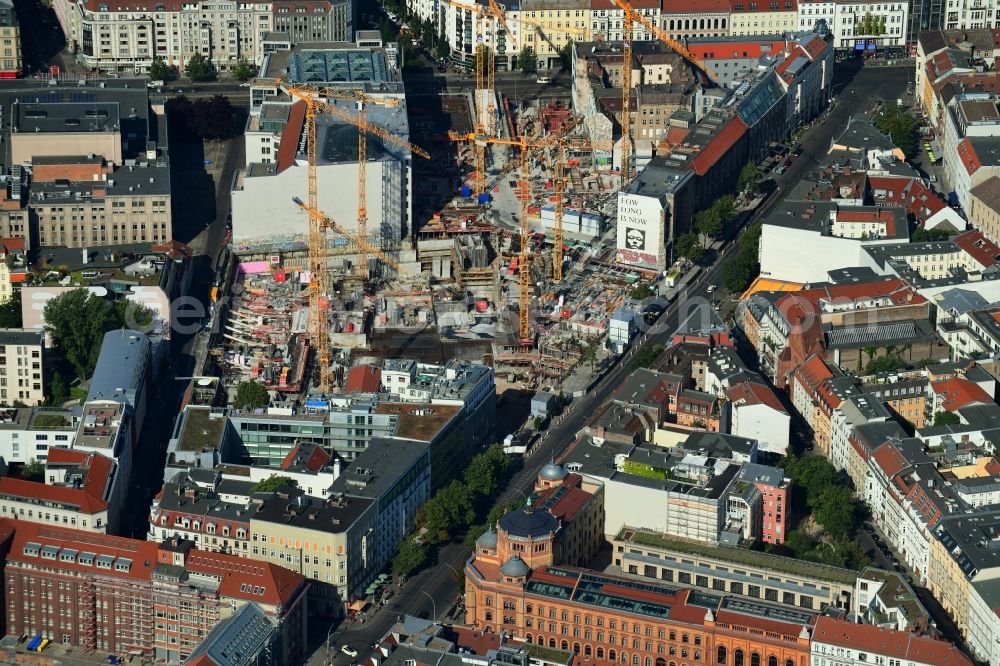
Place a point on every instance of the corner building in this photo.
(514, 583)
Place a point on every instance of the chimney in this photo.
(336, 469)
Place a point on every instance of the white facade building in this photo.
(845, 20)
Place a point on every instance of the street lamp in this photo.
(433, 605)
(326, 660)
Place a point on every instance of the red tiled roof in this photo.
(902, 645)
(813, 372)
(968, 156)
(317, 459)
(755, 393)
(142, 553)
(290, 136)
(730, 50)
(719, 145)
(981, 248)
(910, 193)
(277, 584)
(89, 498)
(363, 379)
(569, 504)
(958, 392)
(14, 244)
(889, 459)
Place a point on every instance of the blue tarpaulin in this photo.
(952, 199)
(465, 191)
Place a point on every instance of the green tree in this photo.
(251, 395)
(198, 68)
(748, 175)
(645, 357)
(945, 419)
(526, 60)
(737, 274)
(77, 322)
(566, 55)
(487, 471)
(159, 70)
(750, 241)
(243, 70)
(33, 470)
(725, 207)
(835, 509)
(409, 558)
(442, 48)
(273, 483)
(899, 124)
(642, 292)
(688, 246)
(450, 509)
(10, 312)
(589, 356)
(708, 223)
(921, 235)
(58, 391)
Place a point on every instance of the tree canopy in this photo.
(945, 418)
(921, 235)
(566, 55)
(251, 395)
(526, 60)
(645, 357)
(642, 292)
(748, 175)
(198, 68)
(159, 70)
(243, 70)
(899, 123)
(57, 389)
(487, 471)
(410, 557)
(33, 470)
(10, 312)
(77, 322)
(689, 246)
(273, 483)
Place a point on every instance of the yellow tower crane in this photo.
(486, 125)
(631, 17)
(319, 223)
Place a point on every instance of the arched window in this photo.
(624, 657)
(527, 637)
(576, 648)
(738, 658)
(541, 639)
(789, 662)
(552, 642)
(772, 661)
(648, 661)
(612, 657)
(754, 659)
(660, 661)
(587, 634)
(600, 653)
(587, 651)
(635, 660)
(724, 24)
(722, 654)
(671, 24)
(565, 646)
(489, 617)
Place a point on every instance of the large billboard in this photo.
(640, 231)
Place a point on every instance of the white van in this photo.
(543, 79)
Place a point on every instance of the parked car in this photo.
(543, 79)
(349, 651)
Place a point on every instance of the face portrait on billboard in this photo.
(635, 239)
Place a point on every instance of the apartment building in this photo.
(865, 25)
(11, 64)
(838, 641)
(116, 595)
(117, 38)
(128, 205)
(984, 207)
(767, 17)
(396, 475)
(80, 490)
(22, 367)
(325, 541)
(26, 433)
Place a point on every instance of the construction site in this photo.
(511, 258)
